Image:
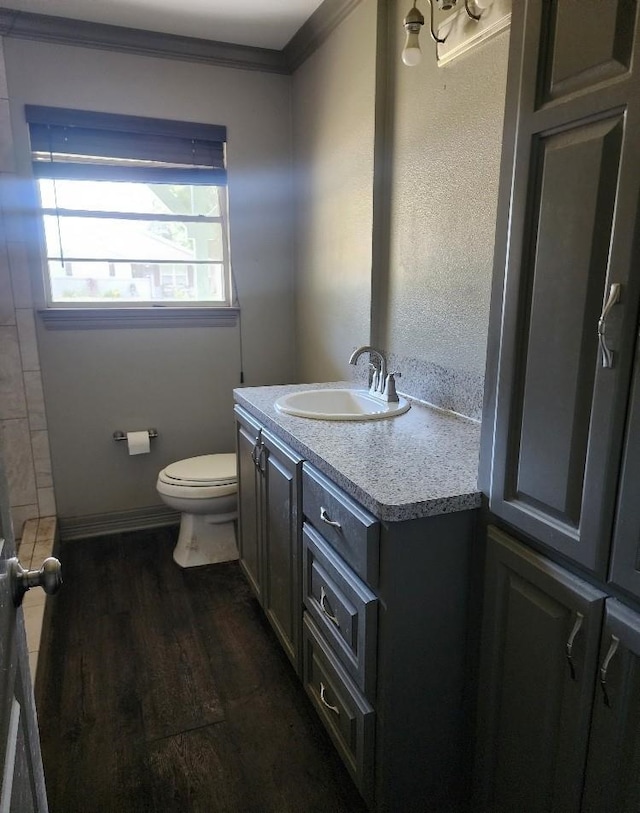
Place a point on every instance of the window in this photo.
(134, 210)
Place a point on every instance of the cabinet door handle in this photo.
(255, 452)
(325, 702)
(612, 299)
(613, 648)
(323, 607)
(570, 642)
(326, 519)
(262, 458)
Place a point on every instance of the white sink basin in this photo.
(339, 405)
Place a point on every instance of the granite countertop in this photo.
(419, 464)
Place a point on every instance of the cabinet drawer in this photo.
(352, 531)
(346, 715)
(343, 607)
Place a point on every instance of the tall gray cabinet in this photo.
(561, 433)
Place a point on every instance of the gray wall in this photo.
(445, 140)
(438, 152)
(333, 137)
(396, 171)
(178, 380)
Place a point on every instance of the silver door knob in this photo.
(49, 577)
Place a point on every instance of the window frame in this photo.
(146, 313)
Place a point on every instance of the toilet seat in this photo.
(200, 478)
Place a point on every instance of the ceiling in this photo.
(259, 23)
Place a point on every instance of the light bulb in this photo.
(411, 54)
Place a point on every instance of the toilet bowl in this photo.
(204, 490)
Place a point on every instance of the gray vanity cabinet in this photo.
(251, 502)
(566, 247)
(380, 612)
(539, 656)
(613, 764)
(269, 475)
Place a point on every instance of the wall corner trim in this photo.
(64, 31)
(315, 31)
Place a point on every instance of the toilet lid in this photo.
(205, 469)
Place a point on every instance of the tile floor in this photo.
(38, 537)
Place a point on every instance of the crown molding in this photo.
(63, 31)
(315, 31)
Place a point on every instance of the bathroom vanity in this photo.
(357, 538)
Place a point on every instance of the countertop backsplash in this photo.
(454, 390)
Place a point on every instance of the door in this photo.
(613, 767)
(250, 458)
(281, 589)
(567, 251)
(625, 560)
(23, 789)
(539, 649)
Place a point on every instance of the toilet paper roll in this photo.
(138, 442)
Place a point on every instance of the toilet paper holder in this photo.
(120, 435)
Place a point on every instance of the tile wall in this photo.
(23, 425)
(37, 544)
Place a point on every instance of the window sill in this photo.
(105, 318)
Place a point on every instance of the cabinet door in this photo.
(249, 502)
(567, 221)
(282, 597)
(613, 766)
(625, 562)
(539, 649)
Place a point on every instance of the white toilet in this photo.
(204, 489)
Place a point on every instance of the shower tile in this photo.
(20, 515)
(29, 534)
(4, 92)
(14, 201)
(19, 269)
(33, 626)
(16, 445)
(7, 157)
(27, 334)
(41, 459)
(46, 502)
(13, 403)
(47, 530)
(7, 308)
(35, 400)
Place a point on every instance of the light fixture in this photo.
(413, 22)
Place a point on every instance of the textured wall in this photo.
(333, 136)
(445, 141)
(23, 423)
(178, 379)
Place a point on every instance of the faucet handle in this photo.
(390, 393)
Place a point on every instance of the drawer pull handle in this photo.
(572, 638)
(327, 520)
(605, 668)
(325, 702)
(323, 607)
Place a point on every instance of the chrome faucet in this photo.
(382, 384)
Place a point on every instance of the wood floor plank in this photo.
(165, 690)
(201, 772)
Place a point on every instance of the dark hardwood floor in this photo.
(163, 689)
